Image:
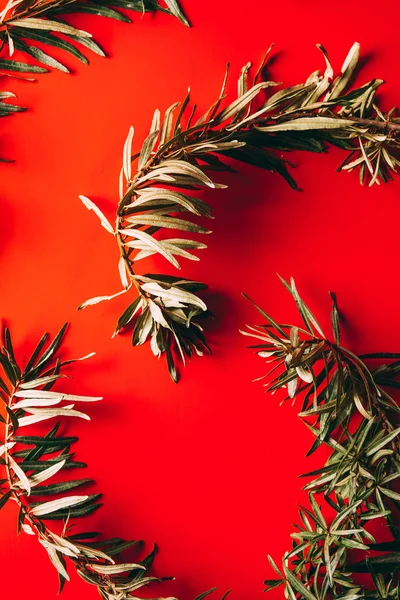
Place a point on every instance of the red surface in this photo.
(208, 468)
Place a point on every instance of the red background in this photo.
(208, 468)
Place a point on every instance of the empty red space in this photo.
(208, 468)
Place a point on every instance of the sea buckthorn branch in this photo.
(25, 23)
(348, 408)
(30, 462)
(175, 162)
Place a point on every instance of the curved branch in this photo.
(24, 23)
(174, 161)
(31, 461)
(346, 408)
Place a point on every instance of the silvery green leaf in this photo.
(47, 24)
(304, 374)
(55, 559)
(321, 84)
(294, 336)
(154, 345)
(265, 354)
(194, 205)
(42, 414)
(28, 385)
(151, 242)
(119, 568)
(175, 246)
(27, 529)
(177, 11)
(345, 513)
(32, 402)
(157, 314)
(349, 543)
(348, 68)
(313, 78)
(298, 586)
(129, 314)
(242, 82)
(88, 43)
(48, 38)
(47, 508)
(241, 102)
(92, 206)
(328, 71)
(121, 184)
(172, 304)
(389, 478)
(42, 476)
(390, 493)
(217, 147)
(5, 447)
(358, 402)
(374, 447)
(60, 548)
(369, 516)
(145, 329)
(94, 553)
(309, 123)
(65, 545)
(320, 89)
(284, 95)
(166, 128)
(99, 299)
(126, 161)
(122, 272)
(303, 308)
(147, 149)
(178, 167)
(292, 386)
(44, 394)
(354, 163)
(391, 160)
(41, 56)
(25, 421)
(155, 124)
(7, 95)
(13, 65)
(182, 243)
(66, 411)
(164, 221)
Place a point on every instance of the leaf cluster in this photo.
(37, 475)
(348, 408)
(181, 151)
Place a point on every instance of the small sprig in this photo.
(347, 408)
(177, 154)
(30, 461)
(25, 23)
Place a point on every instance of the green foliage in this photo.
(175, 162)
(31, 462)
(23, 24)
(347, 407)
